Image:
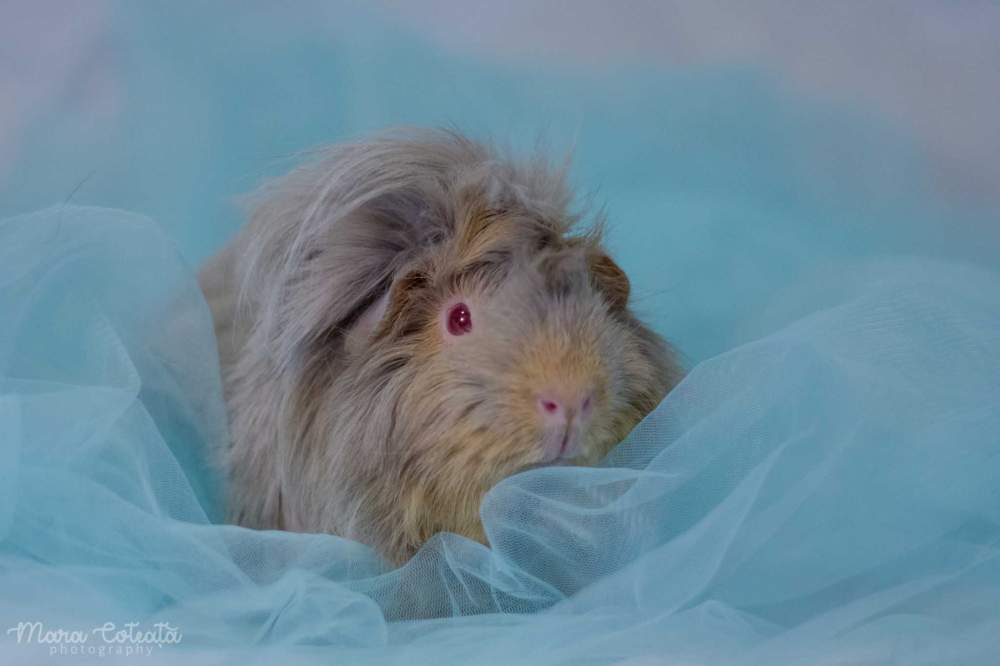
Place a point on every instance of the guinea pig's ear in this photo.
(609, 279)
(359, 334)
(403, 296)
(386, 312)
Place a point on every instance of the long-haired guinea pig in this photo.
(408, 320)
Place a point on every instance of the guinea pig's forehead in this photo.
(542, 295)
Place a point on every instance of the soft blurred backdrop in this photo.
(736, 148)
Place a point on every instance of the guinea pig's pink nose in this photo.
(564, 416)
(561, 410)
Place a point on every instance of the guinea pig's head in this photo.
(508, 346)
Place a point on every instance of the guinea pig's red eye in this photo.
(459, 319)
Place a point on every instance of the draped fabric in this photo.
(823, 486)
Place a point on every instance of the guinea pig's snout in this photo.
(564, 415)
(562, 411)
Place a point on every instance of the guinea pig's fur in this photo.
(354, 408)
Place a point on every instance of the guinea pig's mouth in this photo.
(561, 448)
(562, 444)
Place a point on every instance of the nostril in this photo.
(548, 406)
(585, 407)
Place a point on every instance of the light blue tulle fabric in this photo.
(823, 487)
(830, 491)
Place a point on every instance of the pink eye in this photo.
(459, 319)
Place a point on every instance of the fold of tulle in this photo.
(827, 493)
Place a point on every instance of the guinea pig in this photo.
(406, 321)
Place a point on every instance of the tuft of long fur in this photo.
(351, 410)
